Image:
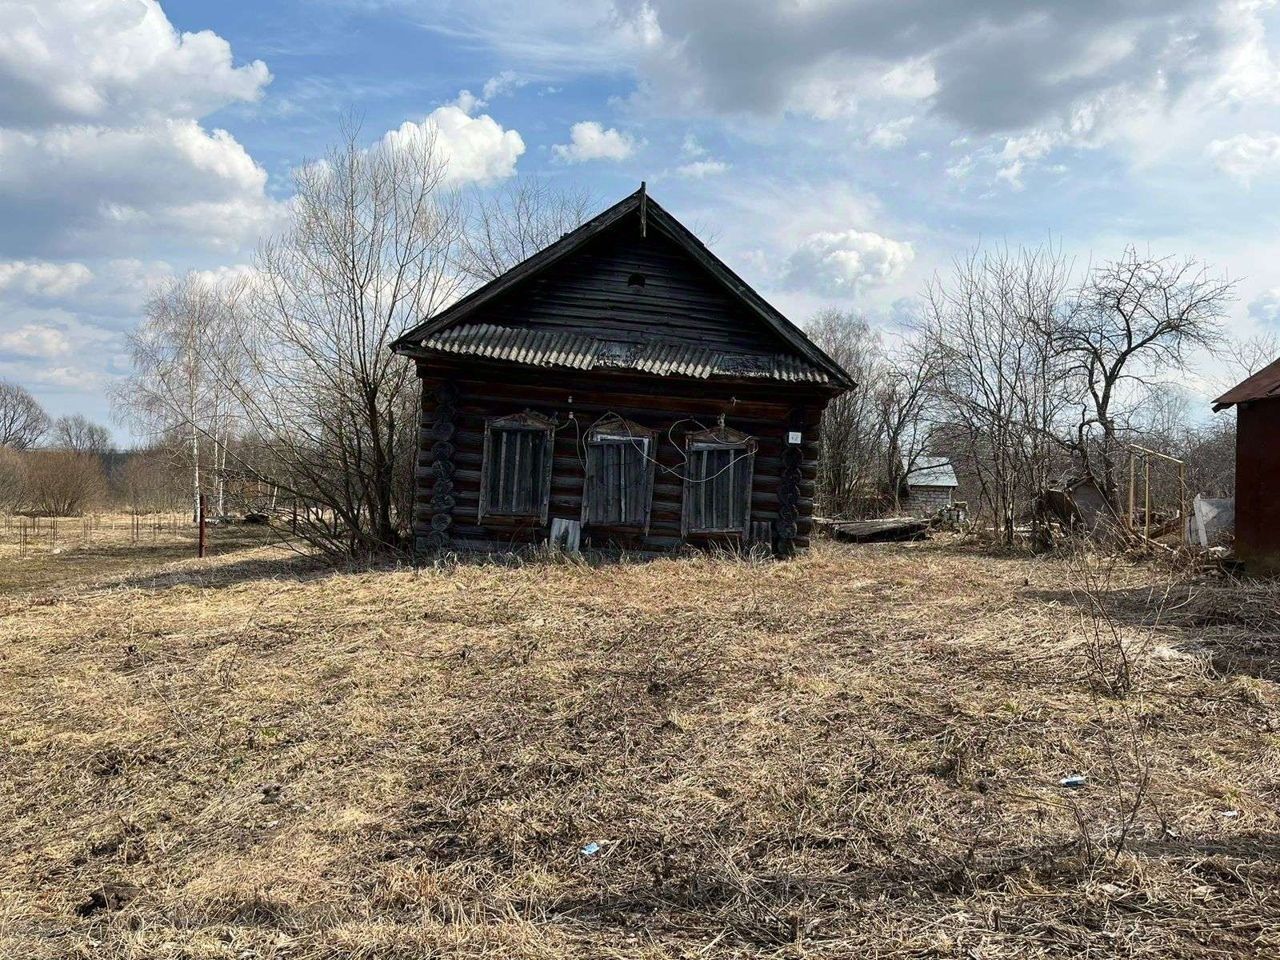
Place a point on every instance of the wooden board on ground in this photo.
(872, 531)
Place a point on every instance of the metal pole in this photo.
(203, 542)
(1146, 496)
(1182, 503)
(1133, 481)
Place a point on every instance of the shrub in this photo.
(62, 483)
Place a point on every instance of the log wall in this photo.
(459, 396)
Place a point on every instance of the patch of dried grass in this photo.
(856, 753)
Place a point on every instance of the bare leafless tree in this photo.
(1245, 357)
(79, 434)
(371, 249)
(852, 437)
(13, 479)
(872, 434)
(514, 222)
(22, 420)
(172, 393)
(1134, 321)
(904, 399)
(1000, 385)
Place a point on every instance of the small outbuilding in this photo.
(622, 388)
(930, 485)
(1257, 501)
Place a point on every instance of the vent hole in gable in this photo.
(636, 280)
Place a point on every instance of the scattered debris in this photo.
(258, 518)
(1081, 505)
(1073, 782)
(591, 849)
(1212, 521)
(566, 534)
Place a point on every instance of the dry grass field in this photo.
(858, 753)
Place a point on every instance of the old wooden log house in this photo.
(620, 389)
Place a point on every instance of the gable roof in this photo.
(930, 472)
(1263, 385)
(803, 361)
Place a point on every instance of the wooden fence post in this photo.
(203, 542)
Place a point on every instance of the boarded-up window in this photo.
(717, 488)
(618, 486)
(516, 473)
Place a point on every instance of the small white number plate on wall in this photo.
(793, 436)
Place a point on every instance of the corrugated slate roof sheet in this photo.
(558, 348)
(1261, 386)
(931, 472)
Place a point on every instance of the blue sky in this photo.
(835, 152)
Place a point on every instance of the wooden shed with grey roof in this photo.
(929, 485)
(622, 388)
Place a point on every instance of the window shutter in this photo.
(516, 470)
(717, 496)
(618, 486)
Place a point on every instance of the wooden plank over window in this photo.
(515, 475)
(618, 484)
(717, 485)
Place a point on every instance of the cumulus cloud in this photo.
(42, 279)
(100, 139)
(77, 61)
(476, 149)
(846, 262)
(75, 187)
(1246, 157)
(34, 342)
(1084, 74)
(985, 65)
(589, 140)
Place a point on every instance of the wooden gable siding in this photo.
(484, 391)
(588, 292)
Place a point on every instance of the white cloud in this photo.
(1245, 157)
(502, 84)
(691, 147)
(1265, 307)
(846, 262)
(40, 278)
(892, 133)
(34, 342)
(702, 168)
(115, 62)
(476, 149)
(589, 140)
(100, 139)
(75, 186)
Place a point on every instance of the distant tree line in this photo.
(68, 465)
(1025, 373)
